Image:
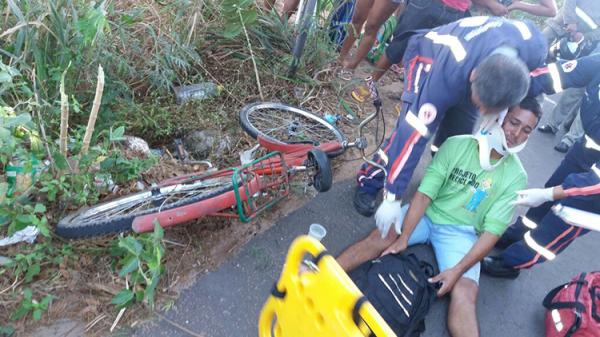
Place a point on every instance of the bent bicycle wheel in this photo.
(285, 124)
(305, 19)
(117, 215)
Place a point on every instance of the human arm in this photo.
(576, 184)
(555, 77)
(416, 211)
(482, 247)
(545, 8)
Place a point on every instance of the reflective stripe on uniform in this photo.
(383, 157)
(416, 123)
(538, 248)
(591, 144)
(528, 223)
(596, 170)
(585, 18)
(523, 29)
(555, 75)
(452, 42)
(400, 161)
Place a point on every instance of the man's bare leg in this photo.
(361, 12)
(380, 11)
(366, 249)
(462, 315)
(382, 65)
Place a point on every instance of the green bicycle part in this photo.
(241, 174)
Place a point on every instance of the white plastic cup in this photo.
(317, 231)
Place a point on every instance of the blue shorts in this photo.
(450, 243)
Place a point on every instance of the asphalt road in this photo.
(227, 302)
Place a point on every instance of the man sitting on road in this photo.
(462, 207)
(455, 72)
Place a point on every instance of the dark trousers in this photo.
(552, 232)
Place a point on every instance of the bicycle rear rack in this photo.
(260, 184)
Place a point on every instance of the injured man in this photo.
(462, 207)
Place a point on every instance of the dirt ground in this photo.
(197, 248)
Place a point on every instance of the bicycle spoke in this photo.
(145, 201)
(277, 126)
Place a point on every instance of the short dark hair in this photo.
(501, 81)
(531, 104)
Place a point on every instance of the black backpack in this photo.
(396, 285)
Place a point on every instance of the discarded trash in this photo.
(157, 152)
(331, 119)
(202, 144)
(198, 91)
(20, 175)
(248, 155)
(317, 231)
(140, 186)
(299, 92)
(136, 144)
(104, 182)
(27, 234)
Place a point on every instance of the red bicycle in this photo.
(299, 141)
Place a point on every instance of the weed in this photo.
(140, 262)
(28, 304)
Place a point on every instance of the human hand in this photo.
(397, 246)
(389, 213)
(534, 197)
(447, 278)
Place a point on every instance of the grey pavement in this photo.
(227, 301)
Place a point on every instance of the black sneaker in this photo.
(562, 147)
(494, 267)
(546, 128)
(364, 203)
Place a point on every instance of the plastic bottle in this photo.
(198, 91)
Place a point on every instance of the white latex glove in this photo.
(388, 213)
(534, 197)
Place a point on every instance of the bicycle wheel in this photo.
(285, 124)
(117, 215)
(306, 18)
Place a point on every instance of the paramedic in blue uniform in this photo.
(453, 72)
(575, 183)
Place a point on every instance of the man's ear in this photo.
(472, 75)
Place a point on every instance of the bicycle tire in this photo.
(306, 21)
(81, 224)
(290, 128)
(323, 178)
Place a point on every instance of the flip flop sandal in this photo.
(360, 94)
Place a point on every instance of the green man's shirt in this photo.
(463, 193)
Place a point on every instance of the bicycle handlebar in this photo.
(361, 140)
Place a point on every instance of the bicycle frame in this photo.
(249, 182)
